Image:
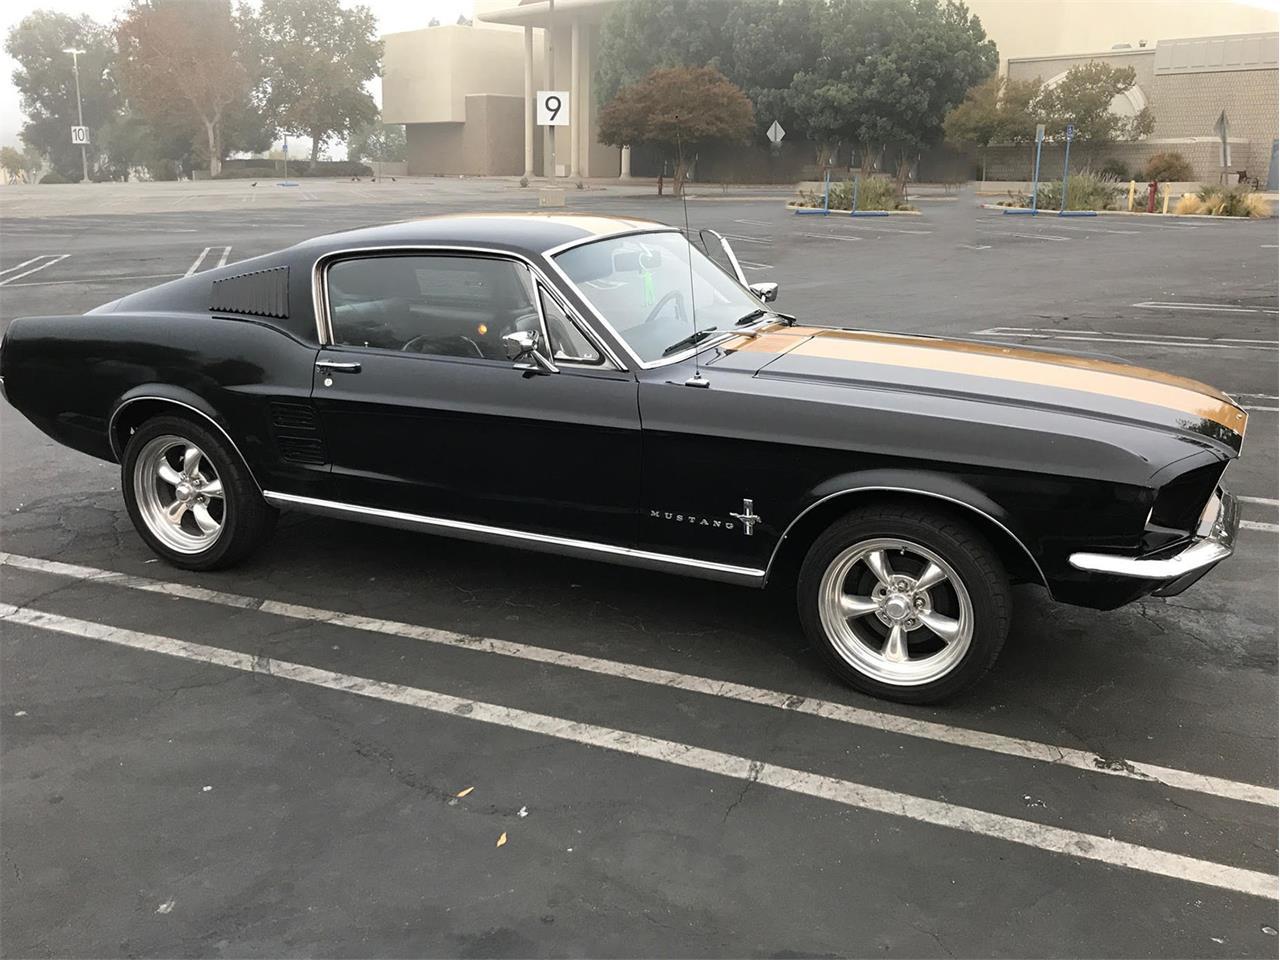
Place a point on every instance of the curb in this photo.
(833, 210)
(1127, 213)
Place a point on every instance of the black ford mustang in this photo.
(598, 387)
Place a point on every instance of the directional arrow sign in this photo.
(776, 133)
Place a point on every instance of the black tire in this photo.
(245, 519)
(971, 560)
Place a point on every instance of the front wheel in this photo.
(905, 603)
(190, 497)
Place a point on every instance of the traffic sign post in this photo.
(553, 108)
(776, 133)
(1066, 179)
(1035, 176)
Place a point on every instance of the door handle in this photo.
(338, 366)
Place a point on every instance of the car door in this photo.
(423, 413)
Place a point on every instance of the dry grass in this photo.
(1220, 202)
(1188, 204)
(1258, 206)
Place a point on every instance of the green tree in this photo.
(769, 42)
(678, 108)
(889, 72)
(46, 83)
(181, 66)
(640, 36)
(1083, 98)
(11, 163)
(998, 110)
(383, 142)
(313, 59)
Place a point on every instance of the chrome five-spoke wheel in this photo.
(179, 494)
(896, 611)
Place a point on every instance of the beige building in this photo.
(466, 94)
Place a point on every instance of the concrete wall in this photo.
(488, 143)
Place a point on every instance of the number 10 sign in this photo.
(553, 108)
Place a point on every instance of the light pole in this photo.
(75, 66)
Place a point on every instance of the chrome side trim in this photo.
(111, 430)
(1216, 543)
(320, 289)
(587, 549)
(911, 490)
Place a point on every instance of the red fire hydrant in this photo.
(1151, 197)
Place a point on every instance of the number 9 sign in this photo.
(553, 108)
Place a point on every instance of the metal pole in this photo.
(1035, 179)
(84, 156)
(1066, 175)
(551, 72)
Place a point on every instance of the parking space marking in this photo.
(199, 260)
(752, 265)
(105, 279)
(1034, 236)
(975, 246)
(1260, 500)
(1258, 525)
(838, 712)
(738, 236)
(49, 260)
(876, 228)
(1146, 339)
(830, 236)
(1209, 307)
(19, 266)
(226, 252)
(1027, 833)
(755, 223)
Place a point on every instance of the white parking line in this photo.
(226, 252)
(1263, 409)
(975, 246)
(199, 260)
(752, 265)
(852, 224)
(1036, 236)
(1147, 339)
(830, 236)
(107, 279)
(1260, 500)
(1257, 525)
(737, 236)
(755, 223)
(52, 259)
(848, 793)
(1208, 307)
(838, 712)
(19, 266)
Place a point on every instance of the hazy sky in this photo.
(393, 15)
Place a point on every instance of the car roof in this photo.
(528, 233)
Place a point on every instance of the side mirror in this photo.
(522, 344)
(768, 292)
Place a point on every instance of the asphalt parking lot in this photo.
(670, 770)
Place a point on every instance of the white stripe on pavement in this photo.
(848, 793)
(19, 266)
(1210, 307)
(737, 236)
(1262, 500)
(755, 223)
(1257, 525)
(226, 252)
(1173, 344)
(26, 273)
(830, 236)
(199, 260)
(1054, 331)
(839, 712)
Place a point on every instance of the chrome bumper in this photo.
(1214, 541)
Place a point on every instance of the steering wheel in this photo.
(434, 344)
(676, 295)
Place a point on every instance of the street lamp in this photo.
(75, 66)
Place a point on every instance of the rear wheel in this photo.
(190, 496)
(905, 603)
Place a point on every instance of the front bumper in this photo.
(1213, 542)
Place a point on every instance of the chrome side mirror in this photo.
(521, 347)
(767, 292)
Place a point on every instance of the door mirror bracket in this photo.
(521, 347)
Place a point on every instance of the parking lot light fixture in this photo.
(75, 67)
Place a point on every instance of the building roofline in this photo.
(1149, 49)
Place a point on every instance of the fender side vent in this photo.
(302, 450)
(297, 432)
(289, 416)
(263, 293)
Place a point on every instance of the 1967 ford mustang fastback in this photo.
(599, 387)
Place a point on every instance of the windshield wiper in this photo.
(751, 317)
(691, 340)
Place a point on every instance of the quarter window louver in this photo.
(263, 293)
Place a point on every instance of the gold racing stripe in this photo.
(1019, 365)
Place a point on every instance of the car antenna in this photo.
(697, 379)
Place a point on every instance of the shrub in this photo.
(1231, 202)
(874, 193)
(53, 176)
(1168, 168)
(1188, 205)
(1086, 191)
(1115, 167)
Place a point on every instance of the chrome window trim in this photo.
(910, 490)
(320, 286)
(538, 288)
(111, 429)
(721, 337)
(590, 549)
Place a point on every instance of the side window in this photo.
(568, 343)
(444, 306)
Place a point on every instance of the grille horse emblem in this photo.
(747, 517)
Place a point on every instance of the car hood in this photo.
(991, 372)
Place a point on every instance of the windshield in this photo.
(640, 285)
